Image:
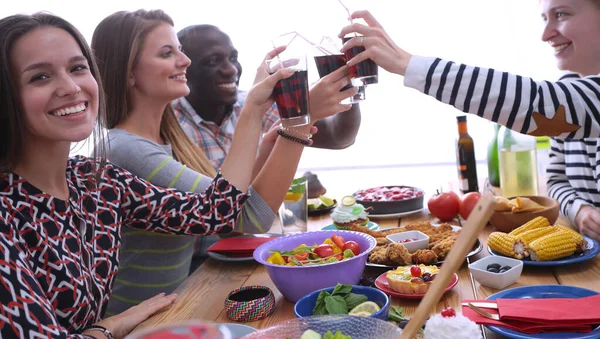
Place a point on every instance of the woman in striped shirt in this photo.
(143, 66)
(568, 110)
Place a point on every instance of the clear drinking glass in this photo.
(293, 212)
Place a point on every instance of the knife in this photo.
(482, 304)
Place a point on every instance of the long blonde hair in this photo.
(117, 42)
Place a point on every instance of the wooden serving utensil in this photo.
(477, 220)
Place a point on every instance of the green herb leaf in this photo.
(396, 313)
(320, 308)
(353, 300)
(336, 304)
(338, 335)
(341, 289)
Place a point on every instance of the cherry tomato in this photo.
(448, 312)
(339, 256)
(301, 256)
(338, 240)
(467, 202)
(352, 246)
(324, 250)
(444, 206)
(286, 259)
(415, 271)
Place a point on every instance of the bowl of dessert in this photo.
(390, 199)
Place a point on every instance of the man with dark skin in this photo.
(213, 79)
(209, 113)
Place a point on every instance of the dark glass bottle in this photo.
(465, 158)
(492, 159)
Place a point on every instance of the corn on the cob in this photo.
(553, 246)
(531, 235)
(506, 244)
(532, 224)
(580, 242)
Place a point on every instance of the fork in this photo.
(484, 313)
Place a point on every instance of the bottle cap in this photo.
(461, 118)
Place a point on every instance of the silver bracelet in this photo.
(102, 329)
(296, 133)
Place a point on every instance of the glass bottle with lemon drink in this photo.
(518, 163)
(293, 212)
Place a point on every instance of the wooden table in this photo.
(201, 296)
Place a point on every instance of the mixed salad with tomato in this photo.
(331, 250)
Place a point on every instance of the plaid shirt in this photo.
(213, 139)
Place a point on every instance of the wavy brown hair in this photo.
(117, 43)
(12, 122)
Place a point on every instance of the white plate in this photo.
(236, 330)
(394, 215)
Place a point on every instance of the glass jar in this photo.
(517, 161)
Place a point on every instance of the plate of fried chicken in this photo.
(391, 255)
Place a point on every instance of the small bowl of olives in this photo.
(496, 272)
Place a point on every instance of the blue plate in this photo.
(592, 250)
(544, 291)
(373, 226)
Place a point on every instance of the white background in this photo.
(400, 127)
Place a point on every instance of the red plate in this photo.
(382, 284)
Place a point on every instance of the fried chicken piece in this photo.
(422, 226)
(443, 247)
(381, 241)
(398, 254)
(427, 257)
(442, 228)
(378, 255)
(435, 238)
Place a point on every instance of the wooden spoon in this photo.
(464, 243)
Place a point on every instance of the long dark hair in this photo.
(117, 43)
(12, 122)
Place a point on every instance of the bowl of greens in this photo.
(344, 299)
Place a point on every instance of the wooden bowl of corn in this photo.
(508, 221)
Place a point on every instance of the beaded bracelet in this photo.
(99, 328)
(295, 132)
(293, 138)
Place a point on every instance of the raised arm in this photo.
(152, 163)
(338, 131)
(567, 109)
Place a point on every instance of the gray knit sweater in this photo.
(151, 263)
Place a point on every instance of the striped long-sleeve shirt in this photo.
(569, 109)
(573, 171)
(522, 104)
(150, 262)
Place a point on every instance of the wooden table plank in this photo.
(202, 294)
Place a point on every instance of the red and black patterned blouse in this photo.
(58, 259)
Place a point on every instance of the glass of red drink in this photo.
(291, 94)
(365, 72)
(329, 63)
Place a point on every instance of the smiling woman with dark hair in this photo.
(61, 217)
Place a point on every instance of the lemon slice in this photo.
(293, 197)
(361, 314)
(368, 308)
(327, 201)
(348, 200)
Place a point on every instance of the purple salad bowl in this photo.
(294, 282)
